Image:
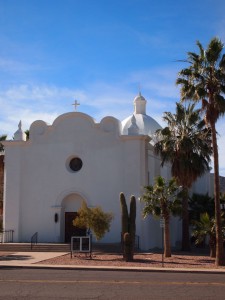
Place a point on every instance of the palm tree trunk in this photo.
(212, 246)
(185, 223)
(220, 258)
(167, 247)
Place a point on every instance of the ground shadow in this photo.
(14, 257)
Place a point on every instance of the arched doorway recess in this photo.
(70, 205)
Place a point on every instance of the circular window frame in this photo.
(74, 164)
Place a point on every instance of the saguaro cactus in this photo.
(124, 215)
(132, 227)
(128, 251)
(128, 227)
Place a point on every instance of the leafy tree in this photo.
(186, 144)
(93, 218)
(204, 80)
(161, 199)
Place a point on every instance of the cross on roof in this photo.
(76, 104)
(139, 88)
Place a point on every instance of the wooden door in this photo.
(71, 230)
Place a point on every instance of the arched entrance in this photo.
(70, 206)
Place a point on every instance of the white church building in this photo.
(76, 159)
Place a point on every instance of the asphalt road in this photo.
(75, 284)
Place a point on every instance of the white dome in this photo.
(146, 124)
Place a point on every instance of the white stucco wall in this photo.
(38, 179)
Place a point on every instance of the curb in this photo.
(107, 268)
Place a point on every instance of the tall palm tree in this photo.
(185, 143)
(204, 80)
(161, 199)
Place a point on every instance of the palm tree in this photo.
(185, 143)
(204, 80)
(206, 227)
(199, 204)
(161, 200)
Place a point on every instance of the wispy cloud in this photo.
(8, 65)
(42, 102)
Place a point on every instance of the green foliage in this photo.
(27, 132)
(185, 143)
(205, 226)
(161, 198)
(95, 219)
(132, 225)
(2, 138)
(128, 251)
(199, 204)
(124, 214)
(204, 79)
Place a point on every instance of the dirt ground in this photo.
(177, 260)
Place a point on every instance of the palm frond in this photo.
(213, 52)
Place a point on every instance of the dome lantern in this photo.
(140, 123)
(140, 104)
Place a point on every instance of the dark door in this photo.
(71, 230)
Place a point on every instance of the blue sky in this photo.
(99, 52)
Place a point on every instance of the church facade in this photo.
(76, 159)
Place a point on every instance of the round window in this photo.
(75, 164)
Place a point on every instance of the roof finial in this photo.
(20, 125)
(139, 89)
(76, 104)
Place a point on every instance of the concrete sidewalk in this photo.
(35, 259)
(26, 258)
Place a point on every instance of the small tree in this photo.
(161, 200)
(93, 218)
(206, 227)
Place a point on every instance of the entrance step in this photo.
(52, 247)
(40, 247)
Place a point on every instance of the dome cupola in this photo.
(139, 122)
(140, 104)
